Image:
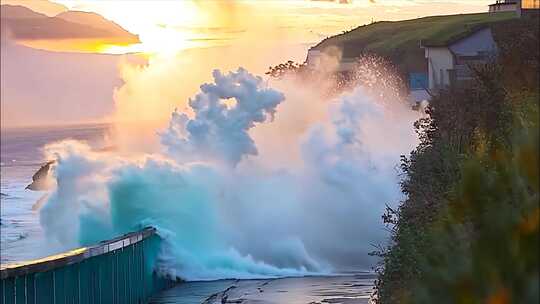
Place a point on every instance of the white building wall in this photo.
(313, 59)
(529, 4)
(327, 61)
(440, 60)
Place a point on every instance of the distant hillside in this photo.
(400, 40)
(25, 24)
(46, 7)
(19, 12)
(93, 20)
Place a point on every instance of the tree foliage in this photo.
(467, 231)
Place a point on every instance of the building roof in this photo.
(455, 38)
(503, 3)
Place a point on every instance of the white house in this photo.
(522, 7)
(330, 60)
(448, 63)
(504, 6)
(313, 59)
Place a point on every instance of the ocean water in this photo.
(21, 235)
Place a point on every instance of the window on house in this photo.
(530, 4)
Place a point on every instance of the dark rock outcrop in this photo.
(41, 180)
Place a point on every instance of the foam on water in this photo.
(21, 235)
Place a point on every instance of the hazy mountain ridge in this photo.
(19, 12)
(23, 23)
(93, 20)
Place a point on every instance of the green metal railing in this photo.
(116, 271)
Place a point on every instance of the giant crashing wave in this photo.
(221, 213)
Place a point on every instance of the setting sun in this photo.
(162, 26)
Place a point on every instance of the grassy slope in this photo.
(400, 40)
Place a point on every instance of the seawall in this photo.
(120, 270)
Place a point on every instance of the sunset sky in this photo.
(173, 25)
(183, 42)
